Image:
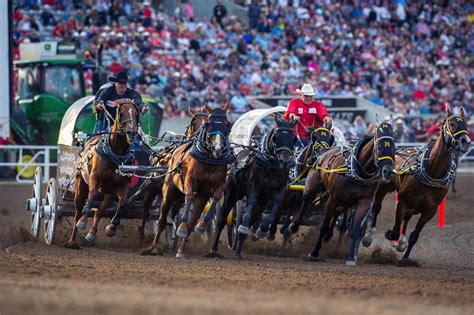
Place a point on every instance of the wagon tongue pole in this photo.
(141, 169)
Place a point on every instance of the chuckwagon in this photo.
(57, 201)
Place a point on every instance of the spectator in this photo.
(360, 127)
(220, 12)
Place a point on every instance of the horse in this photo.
(198, 173)
(261, 176)
(321, 140)
(198, 119)
(350, 177)
(96, 172)
(422, 181)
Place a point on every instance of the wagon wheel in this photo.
(50, 210)
(34, 203)
(237, 219)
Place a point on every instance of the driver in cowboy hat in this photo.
(308, 113)
(107, 95)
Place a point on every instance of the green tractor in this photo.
(49, 78)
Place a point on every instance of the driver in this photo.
(106, 97)
(308, 113)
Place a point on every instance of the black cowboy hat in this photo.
(121, 77)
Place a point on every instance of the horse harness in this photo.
(352, 169)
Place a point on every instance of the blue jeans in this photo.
(100, 126)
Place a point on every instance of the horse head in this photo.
(126, 121)
(199, 118)
(218, 128)
(282, 141)
(454, 131)
(384, 150)
(322, 138)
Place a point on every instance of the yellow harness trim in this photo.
(405, 170)
(336, 170)
(386, 158)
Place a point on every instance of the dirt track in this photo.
(112, 278)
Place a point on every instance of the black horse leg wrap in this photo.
(87, 210)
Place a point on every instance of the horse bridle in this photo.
(388, 142)
(323, 144)
(282, 148)
(193, 119)
(455, 143)
(121, 124)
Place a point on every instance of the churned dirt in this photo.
(112, 278)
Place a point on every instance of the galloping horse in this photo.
(96, 172)
(262, 178)
(422, 181)
(321, 140)
(162, 159)
(350, 177)
(199, 174)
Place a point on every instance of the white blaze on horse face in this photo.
(218, 141)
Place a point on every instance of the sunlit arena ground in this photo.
(112, 278)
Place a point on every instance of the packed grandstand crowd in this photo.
(413, 57)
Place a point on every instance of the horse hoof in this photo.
(260, 234)
(182, 232)
(367, 241)
(271, 237)
(200, 228)
(293, 228)
(401, 246)
(351, 263)
(90, 237)
(407, 262)
(214, 255)
(388, 235)
(180, 255)
(71, 245)
(110, 230)
(81, 225)
(151, 251)
(243, 229)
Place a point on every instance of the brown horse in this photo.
(96, 172)
(350, 177)
(163, 158)
(422, 181)
(199, 173)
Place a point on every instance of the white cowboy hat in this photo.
(306, 89)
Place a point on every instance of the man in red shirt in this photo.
(308, 113)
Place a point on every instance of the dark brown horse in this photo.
(199, 174)
(422, 181)
(350, 177)
(163, 158)
(262, 178)
(96, 172)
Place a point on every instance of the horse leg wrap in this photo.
(243, 229)
(115, 221)
(262, 231)
(87, 210)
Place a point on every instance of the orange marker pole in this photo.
(441, 207)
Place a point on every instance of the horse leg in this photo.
(188, 201)
(106, 202)
(394, 234)
(80, 196)
(424, 218)
(147, 203)
(359, 225)
(402, 241)
(245, 225)
(111, 229)
(87, 210)
(276, 219)
(202, 226)
(330, 231)
(198, 207)
(263, 230)
(329, 214)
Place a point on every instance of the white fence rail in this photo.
(24, 159)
